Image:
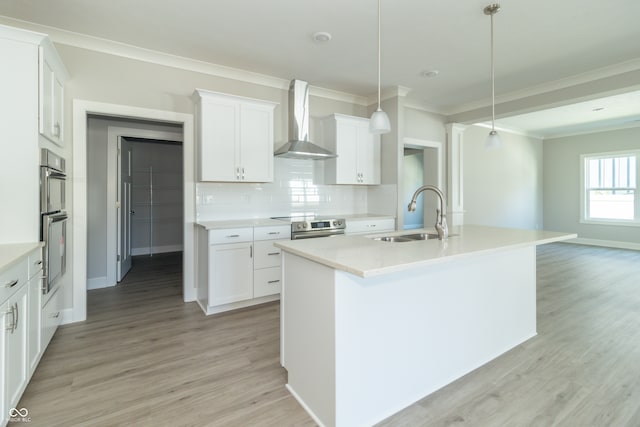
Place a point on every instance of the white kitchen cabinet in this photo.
(358, 150)
(235, 138)
(50, 320)
(369, 225)
(240, 274)
(34, 300)
(231, 274)
(15, 342)
(52, 76)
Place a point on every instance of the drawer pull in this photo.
(55, 316)
(39, 262)
(12, 283)
(233, 235)
(371, 225)
(273, 253)
(273, 281)
(274, 232)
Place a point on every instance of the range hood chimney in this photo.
(299, 146)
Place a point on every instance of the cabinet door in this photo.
(34, 301)
(256, 143)
(230, 273)
(347, 151)
(219, 149)
(368, 157)
(16, 346)
(5, 318)
(51, 100)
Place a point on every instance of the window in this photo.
(610, 188)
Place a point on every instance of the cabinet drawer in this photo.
(35, 262)
(369, 226)
(267, 281)
(51, 318)
(266, 255)
(13, 278)
(272, 233)
(230, 235)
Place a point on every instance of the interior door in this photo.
(124, 207)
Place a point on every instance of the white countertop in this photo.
(12, 252)
(366, 257)
(239, 223)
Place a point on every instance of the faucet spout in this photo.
(441, 220)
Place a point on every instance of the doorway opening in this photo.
(136, 194)
(422, 164)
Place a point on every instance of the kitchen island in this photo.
(369, 327)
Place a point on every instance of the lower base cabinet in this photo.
(239, 274)
(51, 319)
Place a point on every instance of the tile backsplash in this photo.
(296, 189)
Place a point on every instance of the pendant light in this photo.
(379, 122)
(493, 139)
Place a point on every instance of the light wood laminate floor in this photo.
(145, 358)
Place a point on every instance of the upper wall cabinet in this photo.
(235, 138)
(52, 74)
(358, 151)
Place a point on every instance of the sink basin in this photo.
(412, 237)
(393, 239)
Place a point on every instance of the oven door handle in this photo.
(57, 218)
(55, 175)
(319, 233)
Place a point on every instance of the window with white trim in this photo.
(610, 183)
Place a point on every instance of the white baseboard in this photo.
(67, 316)
(156, 250)
(605, 243)
(98, 283)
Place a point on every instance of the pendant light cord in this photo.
(493, 79)
(379, 9)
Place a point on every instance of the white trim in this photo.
(67, 316)
(99, 283)
(156, 250)
(586, 77)
(605, 243)
(113, 132)
(605, 128)
(124, 50)
(455, 172)
(81, 109)
(407, 141)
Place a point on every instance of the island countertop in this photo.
(366, 257)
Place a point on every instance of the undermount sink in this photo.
(410, 237)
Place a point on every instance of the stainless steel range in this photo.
(308, 227)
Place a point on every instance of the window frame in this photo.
(584, 209)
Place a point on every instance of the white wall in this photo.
(562, 183)
(502, 187)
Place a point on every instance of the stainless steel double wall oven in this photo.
(53, 226)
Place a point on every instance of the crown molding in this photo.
(605, 128)
(124, 50)
(586, 77)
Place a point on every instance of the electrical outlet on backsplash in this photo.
(293, 190)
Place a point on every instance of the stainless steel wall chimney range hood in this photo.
(299, 146)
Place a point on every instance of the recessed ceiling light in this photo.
(598, 109)
(429, 73)
(321, 36)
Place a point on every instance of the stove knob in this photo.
(300, 226)
(336, 223)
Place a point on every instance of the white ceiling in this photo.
(537, 43)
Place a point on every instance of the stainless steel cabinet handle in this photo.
(273, 253)
(17, 316)
(233, 235)
(243, 173)
(250, 251)
(371, 225)
(12, 283)
(238, 174)
(56, 129)
(10, 327)
(273, 281)
(274, 232)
